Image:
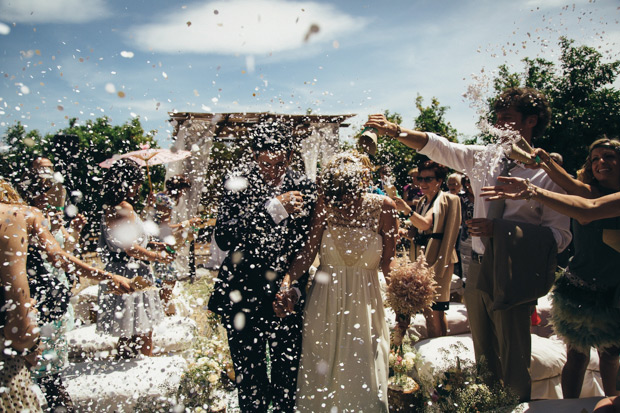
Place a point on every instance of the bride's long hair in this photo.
(347, 173)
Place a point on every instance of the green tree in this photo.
(77, 150)
(584, 102)
(433, 119)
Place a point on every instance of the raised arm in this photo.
(413, 139)
(582, 209)
(62, 259)
(559, 175)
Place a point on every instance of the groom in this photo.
(263, 221)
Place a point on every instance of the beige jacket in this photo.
(439, 249)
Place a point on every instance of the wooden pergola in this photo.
(225, 126)
(317, 137)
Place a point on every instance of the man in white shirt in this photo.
(501, 337)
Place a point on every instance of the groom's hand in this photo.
(284, 303)
(292, 201)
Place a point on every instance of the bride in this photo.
(344, 362)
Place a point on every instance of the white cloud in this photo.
(53, 11)
(245, 27)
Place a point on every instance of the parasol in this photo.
(148, 157)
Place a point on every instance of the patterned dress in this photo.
(132, 314)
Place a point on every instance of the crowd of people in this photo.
(39, 270)
(302, 342)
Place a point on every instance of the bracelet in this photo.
(410, 214)
(530, 190)
(399, 131)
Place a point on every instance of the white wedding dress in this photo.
(345, 347)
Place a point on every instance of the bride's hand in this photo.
(513, 188)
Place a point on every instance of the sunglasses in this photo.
(427, 179)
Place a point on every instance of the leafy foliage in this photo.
(76, 152)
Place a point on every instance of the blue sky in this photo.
(88, 58)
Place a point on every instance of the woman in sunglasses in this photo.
(435, 224)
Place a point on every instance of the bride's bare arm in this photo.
(305, 258)
(286, 299)
(388, 228)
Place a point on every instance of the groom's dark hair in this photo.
(273, 135)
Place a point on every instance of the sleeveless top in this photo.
(595, 262)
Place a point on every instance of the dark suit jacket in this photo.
(259, 250)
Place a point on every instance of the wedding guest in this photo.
(500, 318)
(50, 286)
(21, 226)
(454, 183)
(434, 229)
(344, 362)
(557, 158)
(585, 306)
(172, 234)
(125, 249)
(411, 191)
(467, 213)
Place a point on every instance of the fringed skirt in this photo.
(585, 316)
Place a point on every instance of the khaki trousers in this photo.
(501, 337)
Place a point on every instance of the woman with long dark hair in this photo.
(126, 250)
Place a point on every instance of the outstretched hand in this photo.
(121, 284)
(514, 188)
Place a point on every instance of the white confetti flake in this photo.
(236, 184)
(239, 321)
(126, 54)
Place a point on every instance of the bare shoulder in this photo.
(122, 211)
(388, 204)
